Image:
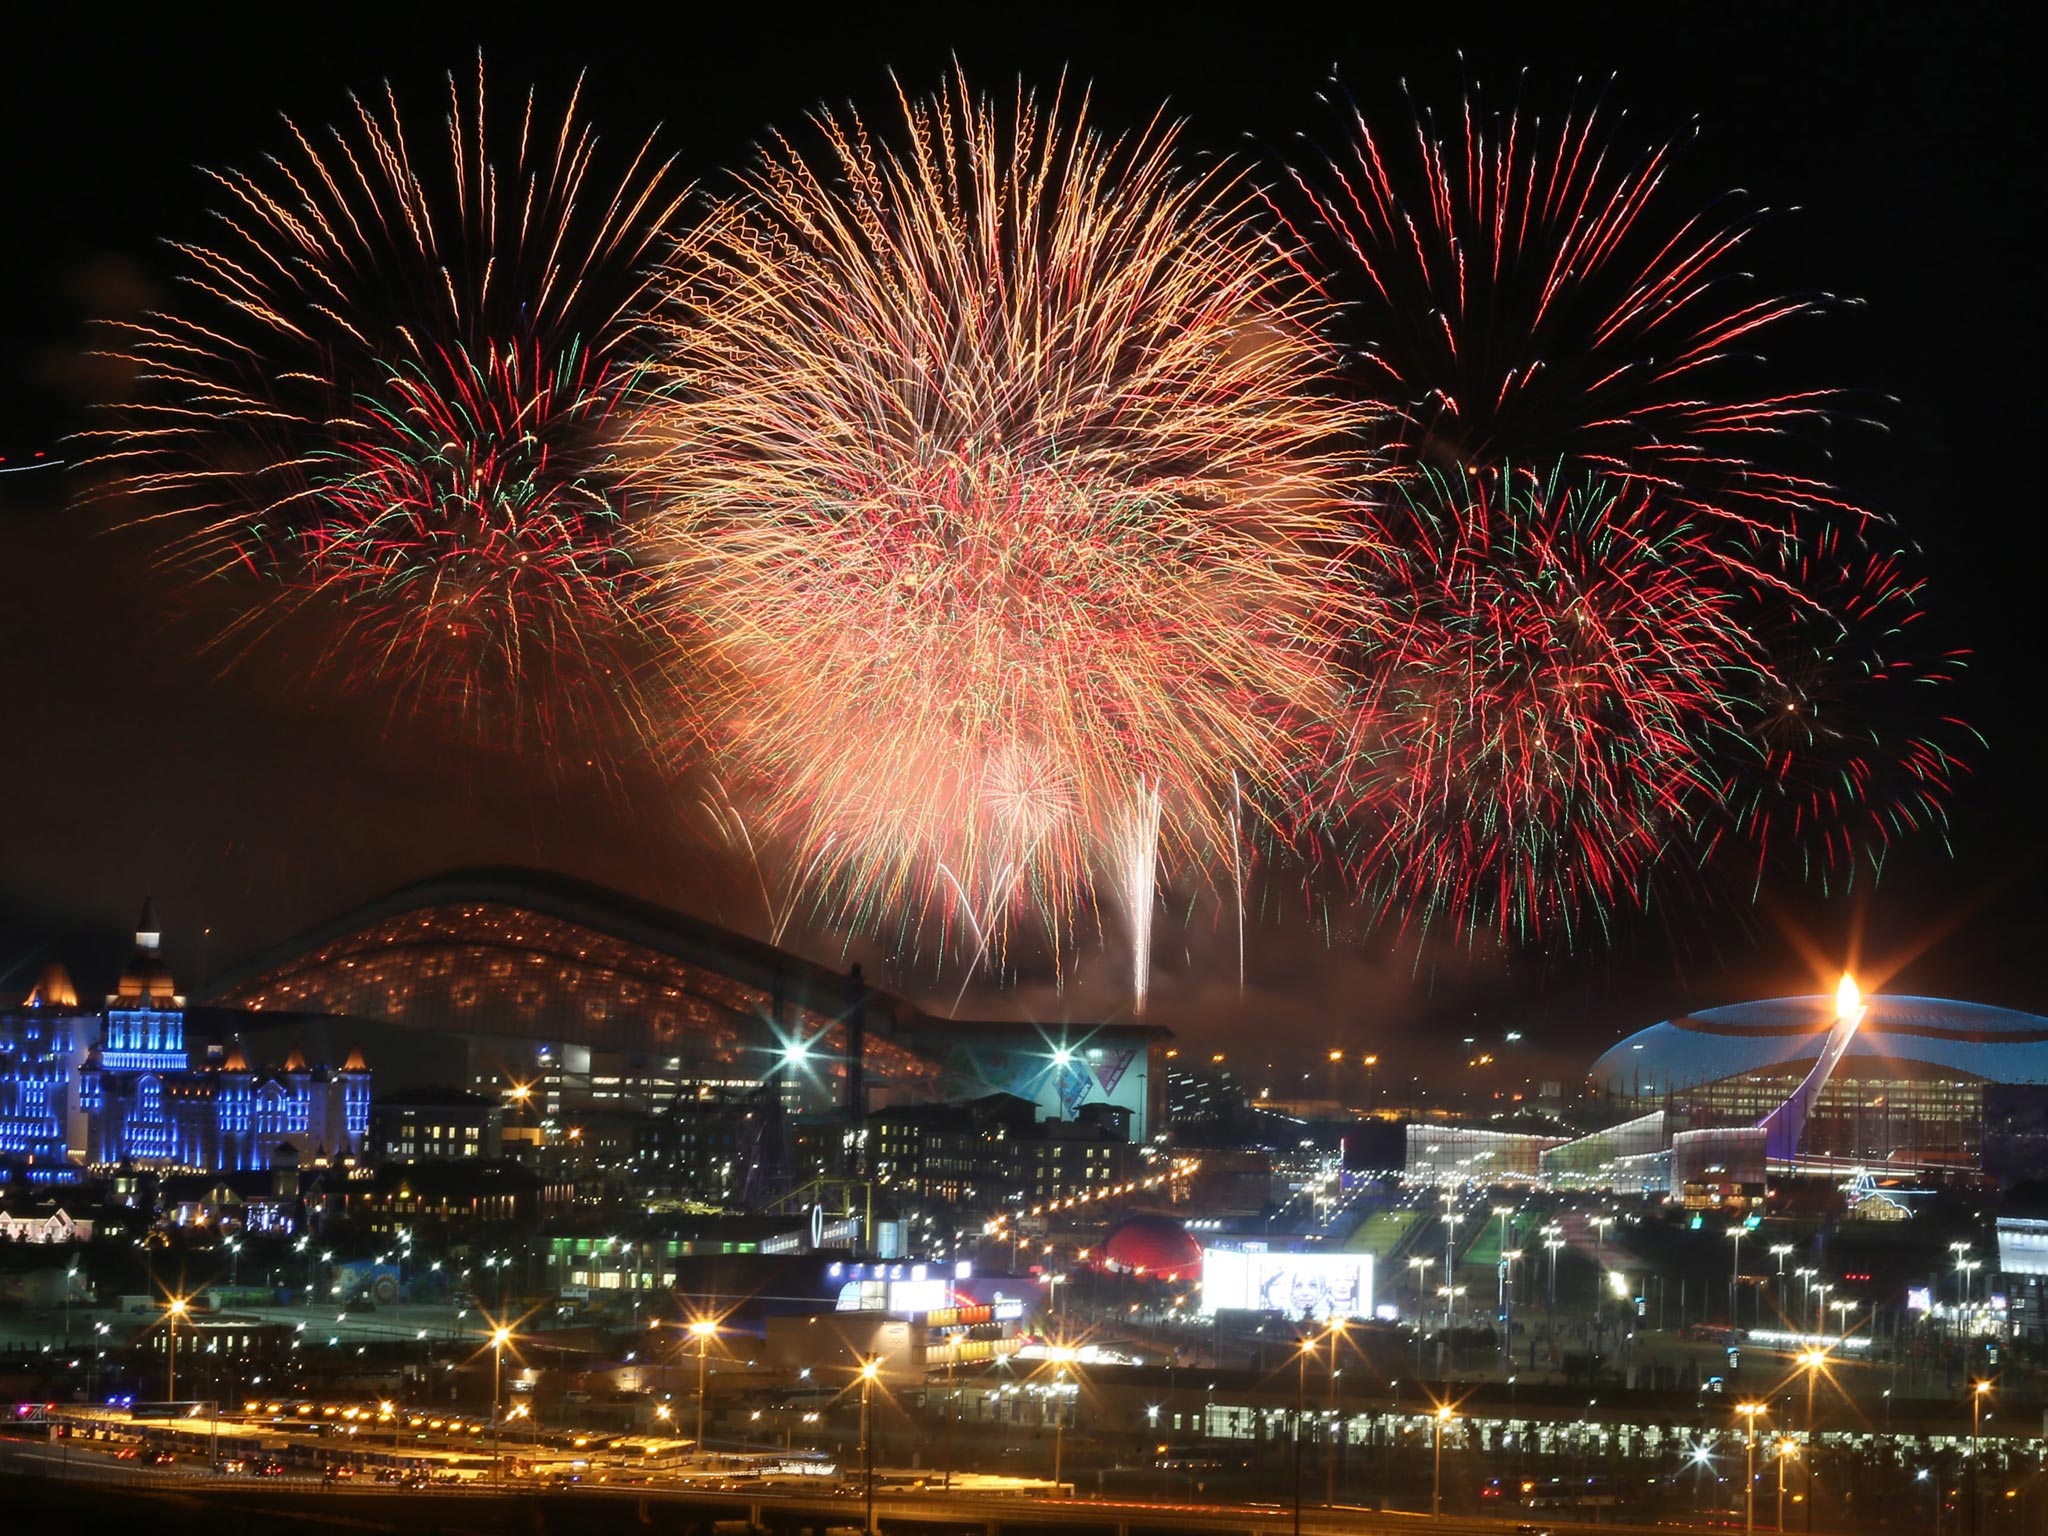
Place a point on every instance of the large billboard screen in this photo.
(1319, 1285)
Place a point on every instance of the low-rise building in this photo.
(995, 1151)
(436, 1125)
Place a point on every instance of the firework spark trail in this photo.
(1134, 862)
(392, 400)
(999, 479)
(730, 823)
(1237, 867)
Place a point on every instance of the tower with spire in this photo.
(145, 1024)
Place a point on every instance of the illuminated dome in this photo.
(1903, 1036)
(525, 954)
(1152, 1245)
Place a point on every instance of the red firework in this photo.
(1519, 295)
(1851, 742)
(1547, 727)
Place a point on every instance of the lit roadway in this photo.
(372, 1505)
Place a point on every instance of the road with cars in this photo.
(665, 1502)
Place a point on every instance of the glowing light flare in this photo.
(1848, 1000)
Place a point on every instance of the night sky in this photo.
(1907, 140)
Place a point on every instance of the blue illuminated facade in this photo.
(121, 1086)
(43, 1044)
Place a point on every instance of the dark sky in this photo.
(1908, 138)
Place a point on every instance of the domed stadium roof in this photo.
(1905, 1035)
(531, 955)
(1154, 1245)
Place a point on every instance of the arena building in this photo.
(1910, 1091)
(1707, 1106)
(520, 983)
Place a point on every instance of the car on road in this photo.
(266, 1469)
(128, 1453)
(162, 1458)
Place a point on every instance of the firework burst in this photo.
(999, 474)
(1595, 686)
(391, 400)
(1546, 731)
(1518, 296)
(1851, 745)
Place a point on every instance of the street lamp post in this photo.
(1736, 1234)
(1436, 1492)
(1749, 1411)
(703, 1328)
(1509, 1261)
(1780, 1252)
(1813, 1360)
(1976, 1429)
(1451, 1220)
(175, 1311)
(1786, 1448)
(1599, 1224)
(1450, 1294)
(1300, 1413)
(500, 1337)
(1337, 1325)
(1505, 1213)
(868, 1371)
(1967, 1267)
(1421, 1268)
(1062, 1356)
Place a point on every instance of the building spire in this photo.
(149, 936)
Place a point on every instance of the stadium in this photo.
(521, 982)
(1707, 1105)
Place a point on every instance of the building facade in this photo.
(43, 1044)
(446, 1126)
(995, 1150)
(121, 1086)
